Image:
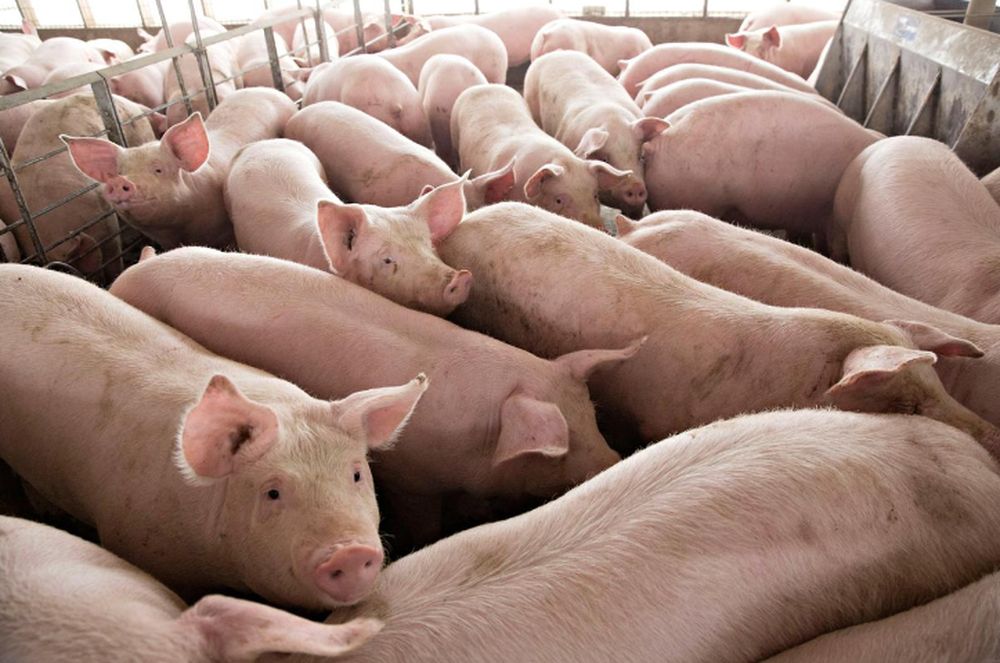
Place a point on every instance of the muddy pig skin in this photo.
(496, 421)
(366, 161)
(480, 46)
(781, 273)
(607, 45)
(370, 84)
(919, 221)
(563, 287)
(853, 516)
(960, 627)
(637, 70)
(442, 79)
(65, 599)
(771, 159)
(202, 471)
(585, 108)
(794, 48)
(171, 189)
(491, 127)
(277, 198)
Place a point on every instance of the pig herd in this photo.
(594, 437)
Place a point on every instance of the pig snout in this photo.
(119, 191)
(348, 574)
(634, 195)
(457, 290)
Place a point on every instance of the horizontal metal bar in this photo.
(66, 199)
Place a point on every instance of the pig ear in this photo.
(442, 208)
(238, 630)
(773, 37)
(622, 65)
(146, 253)
(533, 187)
(940, 343)
(593, 140)
(109, 56)
(96, 158)
(339, 227)
(224, 430)
(496, 185)
(379, 415)
(158, 122)
(17, 81)
(530, 426)
(736, 40)
(427, 189)
(28, 28)
(625, 225)
(869, 368)
(583, 362)
(188, 142)
(648, 128)
(608, 177)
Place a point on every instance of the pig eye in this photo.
(158, 170)
(560, 201)
(274, 494)
(388, 261)
(357, 476)
(350, 239)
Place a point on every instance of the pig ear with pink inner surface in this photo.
(927, 337)
(608, 177)
(533, 187)
(584, 362)
(94, 157)
(238, 630)
(496, 185)
(442, 208)
(736, 40)
(593, 140)
(772, 37)
(868, 369)
(339, 228)
(224, 431)
(529, 426)
(624, 225)
(378, 415)
(188, 143)
(648, 128)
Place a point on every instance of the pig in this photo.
(574, 100)
(794, 48)
(917, 220)
(388, 250)
(16, 48)
(752, 157)
(785, 13)
(143, 86)
(681, 72)
(52, 53)
(221, 62)
(780, 273)
(492, 126)
(442, 79)
(8, 245)
(607, 45)
(368, 162)
(179, 32)
(253, 61)
(727, 543)
(710, 353)
(480, 46)
(340, 20)
(113, 50)
(372, 85)
(13, 119)
(97, 250)
(305, 41)
(992, 184)
(516, 26)
(960, 627)
(667, 99)
(67, 599)
(71, 70)
(637, 70)
(204, 472)
(543, 437)
(171, 189)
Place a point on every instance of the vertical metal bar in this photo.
(207, 8)
(305, 35)
(979, 13)
(477, 7)
(272, 58)
(884, 104)
(85, 13)
(704, 9)
(324, 53)
(176, 60)
(854, 87)
(627, 8)
(201, 55)
(144, 14)
(923, 120)
(391, 34)
(27, 11)
(22, 206)
(109, 114)
(359, 30)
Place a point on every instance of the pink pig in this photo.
(368, 162)
(639, 69)
(372, 85)
(205, 472)
(992, 183)
(795, 48)
(667, 99)
(442, 79)
(67, 599)
(516, 26)
(52, 53)
(171, 189)
(585, 108)
(480, 46)
(491, 126)
(785, 13)
(605, 44)
(388, 250)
